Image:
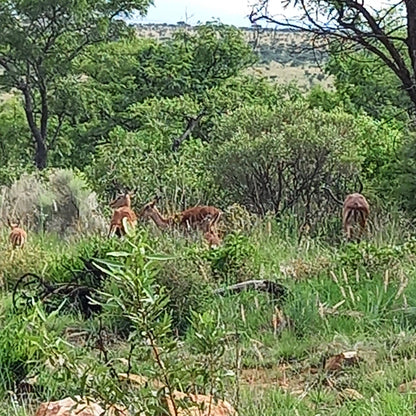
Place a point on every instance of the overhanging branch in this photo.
(193, 122)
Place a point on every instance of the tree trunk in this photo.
(41, 155)
(41, 150)
(411, 44)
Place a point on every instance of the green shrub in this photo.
(232, 261)
(278, 159)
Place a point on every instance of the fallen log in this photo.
(275, 289)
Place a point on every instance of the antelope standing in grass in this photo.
(17, 236)
(203, 217)
(122, 213)
(355, 210)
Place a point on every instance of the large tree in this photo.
(390, 33)
(39, 40)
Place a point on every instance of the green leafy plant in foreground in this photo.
(133, 292)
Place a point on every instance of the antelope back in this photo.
(124, 212)
(117, 221)
(17, 237)
(356, 201)
(199, 216)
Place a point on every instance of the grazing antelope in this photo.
(212, 238)
(122, 212)
(17, 236)
(208, 225)
(150, 211)
(203, 217)
(355, 209)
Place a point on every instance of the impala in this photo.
(122, 213)
(355, 209)
(17, 236)
(202, 217)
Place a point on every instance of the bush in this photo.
(143, 160)
(231, 261)
(277, 159)
(60, 202)
(15, 139)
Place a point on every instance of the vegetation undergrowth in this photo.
(156, 307)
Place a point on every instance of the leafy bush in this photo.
(231, 261)
(407, 173)
(25, 343)
(143, 161)
(375, 258)
(277, 160)
(15, 140)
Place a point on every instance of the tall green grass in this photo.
(341, 297)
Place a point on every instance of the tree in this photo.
(389, 34)
(194, 63)
(39, 40)
(365, 83)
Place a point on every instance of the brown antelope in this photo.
(122, 212)
(355, 209)
(203, 217)
(208, 225)
(17, 236)
(150, 211)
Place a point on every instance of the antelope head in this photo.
(13, 225)
(148, 210)
(122, 200)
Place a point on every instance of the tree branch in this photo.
(193, 122)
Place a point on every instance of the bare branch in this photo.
(351, 21)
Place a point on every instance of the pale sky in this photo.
(233, 12)
(228, 11)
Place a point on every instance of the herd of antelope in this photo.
(201, 218)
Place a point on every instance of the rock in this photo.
(337, 362)
(187, 404)
(199, 405)
(408, 387)
(78, 407)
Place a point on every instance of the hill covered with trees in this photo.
(282, 55)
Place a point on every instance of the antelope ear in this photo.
(133, 192)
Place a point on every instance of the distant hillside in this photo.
(283, 56)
